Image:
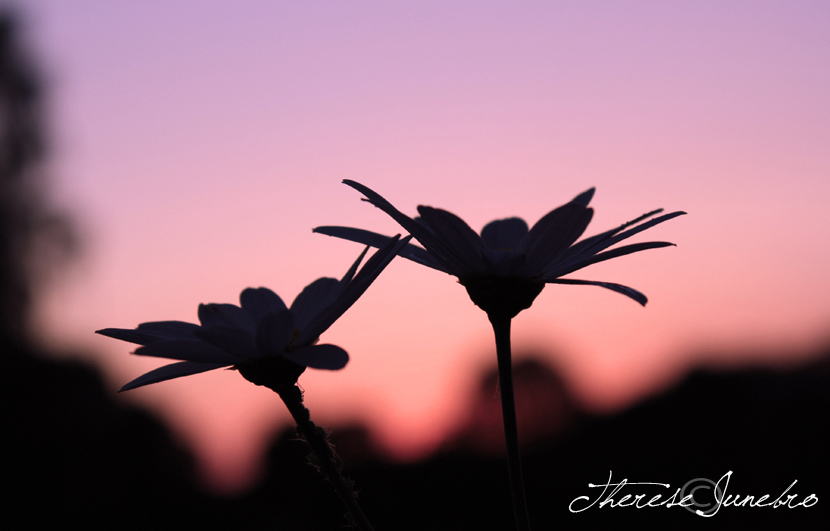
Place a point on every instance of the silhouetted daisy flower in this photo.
(261, 337)
(506, 267)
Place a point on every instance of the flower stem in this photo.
(316, 438)
(501, 328)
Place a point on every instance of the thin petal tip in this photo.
(129, 386)
(584, 199)
(354, 184)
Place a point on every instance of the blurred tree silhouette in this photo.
(73, 455)
(20, 147)
(30, 236)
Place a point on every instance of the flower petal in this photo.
(364, 278)
(168, 372)
(152, 332)
(584, 199)
(187, 351)
(551, 236)
(274, 332)
(227, 315)
(581, 248)
(503, 263)
(259, 302)
(410, 252)
(504, 233)
(378, 262)
(234, 341)
(619, 288)
(418, 230)
(352, 270)
(640, 228)
(169, 329)
(601, 257)
(460, 244)
(314, 297)
(595, 244)
(329, 357)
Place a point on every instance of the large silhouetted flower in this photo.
(506, 267)
(263, 338)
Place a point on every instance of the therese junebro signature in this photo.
(701, 496)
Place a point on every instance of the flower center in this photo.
(273, 372)
(290, 346)
(502, 296)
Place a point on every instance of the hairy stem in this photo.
(316, 438)
(501, 328)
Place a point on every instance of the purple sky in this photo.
(197, 144)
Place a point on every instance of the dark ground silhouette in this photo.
(76, 457)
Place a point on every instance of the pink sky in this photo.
(197, 144)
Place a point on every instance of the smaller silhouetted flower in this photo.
(506, 267)
(269, 343)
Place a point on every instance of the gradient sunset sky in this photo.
(196, 144)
